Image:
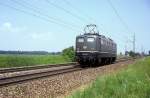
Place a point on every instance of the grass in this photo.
(133, 82)
(28, 60)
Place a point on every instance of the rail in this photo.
(25, 68)
(35, 75)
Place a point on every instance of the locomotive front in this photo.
(86, 48)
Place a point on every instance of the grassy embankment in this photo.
(28, 60)
(133, 82)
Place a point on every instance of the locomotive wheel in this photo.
(99, 62)
(113, 59)
(106, 60)
(103, 61)
(82, 64)
(109, 60)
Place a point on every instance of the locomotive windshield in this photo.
(81, 40)
(90, 39)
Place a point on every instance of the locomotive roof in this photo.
(95, 34)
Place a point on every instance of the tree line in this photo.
(29, 52)
(67, 52)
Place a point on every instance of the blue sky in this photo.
(25, 31)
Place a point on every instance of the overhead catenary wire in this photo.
(35, 10)
(79, 11)
(67, 11)
(121, 20)
(88, 17)
(119, 17)
(72, 6)
(37, 16)
(57, 19)
(25, 12)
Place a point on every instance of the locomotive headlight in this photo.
(92, 48)
(84, 47)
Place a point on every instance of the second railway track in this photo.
(26, 68)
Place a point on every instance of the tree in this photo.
(149, 52)
(132, 54)
(69, 52)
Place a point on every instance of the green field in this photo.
(28, 60)
(132, 82)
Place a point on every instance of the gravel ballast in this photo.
(60, 85)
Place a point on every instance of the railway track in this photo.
(26, 68)
(4, 81)
(30, 76)
(123, 59)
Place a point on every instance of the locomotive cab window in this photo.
(80, 40)
(90, 39)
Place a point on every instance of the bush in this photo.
(69, 53)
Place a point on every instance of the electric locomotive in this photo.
(93, 49)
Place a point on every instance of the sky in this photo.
(52, 25)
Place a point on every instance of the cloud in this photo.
(8, 27)
(42, 36)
